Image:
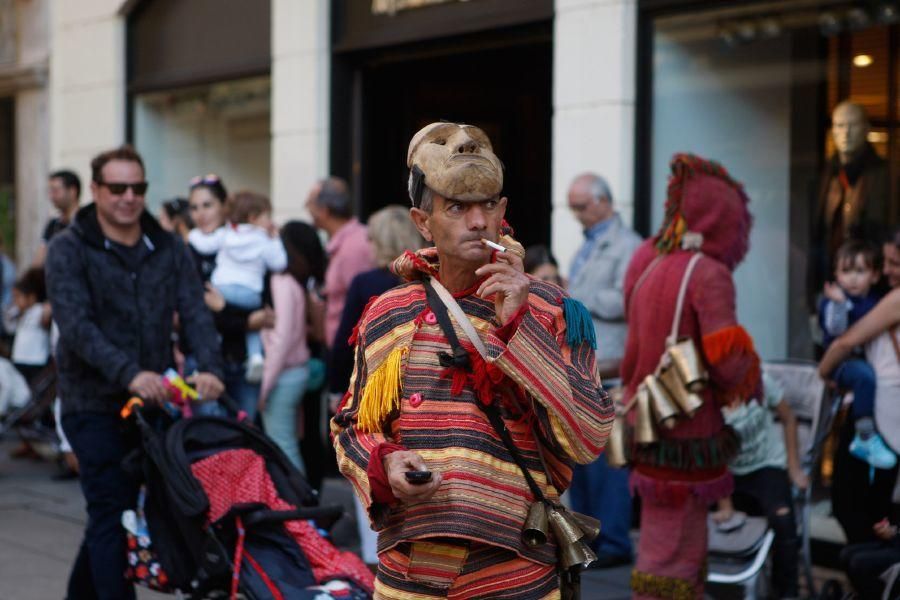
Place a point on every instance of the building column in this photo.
(594, 58)
(26, 80)
(87, 83)
(301, 82)
(32, 205)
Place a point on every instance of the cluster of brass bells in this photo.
(573, 532)
(661, 398)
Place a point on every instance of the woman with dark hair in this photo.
(285, 371)
(206, 203)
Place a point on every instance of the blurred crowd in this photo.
(284, 306)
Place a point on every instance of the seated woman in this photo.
(861, 499)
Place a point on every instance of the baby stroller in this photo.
(223, 513)
(32, 420)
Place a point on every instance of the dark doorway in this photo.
(499, 81)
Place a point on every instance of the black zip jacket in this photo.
(115, 319)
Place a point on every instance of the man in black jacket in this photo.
(115, 280)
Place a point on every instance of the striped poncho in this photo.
(400, 394)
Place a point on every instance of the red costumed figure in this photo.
(686, 468)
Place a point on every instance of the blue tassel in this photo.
(579, 326)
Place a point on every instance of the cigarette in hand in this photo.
(493, 245)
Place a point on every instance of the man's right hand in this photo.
(149, 386)
(396, 464)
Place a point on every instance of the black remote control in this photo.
(418, 477)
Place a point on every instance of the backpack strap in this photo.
(682, 292)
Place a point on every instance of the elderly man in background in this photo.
(596, 279)
(349, 251)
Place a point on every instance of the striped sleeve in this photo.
(352, 445)
(574, 412)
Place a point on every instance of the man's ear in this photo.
(501, 204)
(420, 220)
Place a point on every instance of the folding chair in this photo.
(741, 558)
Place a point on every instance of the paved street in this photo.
(41, 522)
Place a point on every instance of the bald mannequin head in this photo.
(849, 129)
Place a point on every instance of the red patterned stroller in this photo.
(223, 512)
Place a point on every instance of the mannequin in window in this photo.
(854, 196)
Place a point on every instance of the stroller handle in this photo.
(325, 516)
(136, 402)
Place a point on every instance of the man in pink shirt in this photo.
(349, 251)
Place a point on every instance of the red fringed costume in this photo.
(678, 476)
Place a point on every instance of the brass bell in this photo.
(576, 554)
(663, 409)
(615, 444)
(565, 528)
(687, 401)
(644, 429)
(689, 364)
(589, 525)
(534, 533)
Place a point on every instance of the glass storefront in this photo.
(221, 128)
(753, 86)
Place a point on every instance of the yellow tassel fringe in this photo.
(381, 395)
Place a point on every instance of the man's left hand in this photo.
(208, 386)
(508, 284)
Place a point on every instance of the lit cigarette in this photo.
(493, 245)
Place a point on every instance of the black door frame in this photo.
(346, 125)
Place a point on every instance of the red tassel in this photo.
(459, 376)
(483, 378)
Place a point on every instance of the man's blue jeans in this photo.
(99, 570)
(602, 492)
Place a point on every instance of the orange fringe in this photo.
(725, 342)
(733, 340)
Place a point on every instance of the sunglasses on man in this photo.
(139, 188)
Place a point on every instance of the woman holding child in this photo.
(207, 210)
(862, 494)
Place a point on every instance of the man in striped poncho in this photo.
(415, 405)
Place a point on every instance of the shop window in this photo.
(221, 128)
(869, 67)
(753, 86)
